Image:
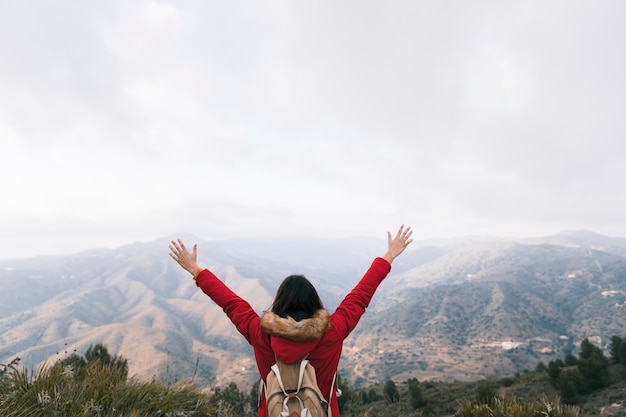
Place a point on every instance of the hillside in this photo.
(452, 310)
(492, 309)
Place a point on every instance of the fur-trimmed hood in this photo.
(298, 331)
(292, 340)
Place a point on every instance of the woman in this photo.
(297, 325)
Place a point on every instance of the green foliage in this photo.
(4, 371)
(416, 398)
(507, 382)
(511, 407)
(372, 396)
(568, 386)
(74, 360)
(554, 371)
(390, 392)
(618, 350)
(570, 360)
(593, 367)
(100, 390)
(230, 401)
(614, 349)
(541, 367)
(253, 398)
(99, 353)
(95, 385)
(486, 394)
(347, 396)
(586, 374)
(10, 365)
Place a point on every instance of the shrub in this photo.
(511, 407)
(485, 394)
(98, 391)
(96, 385)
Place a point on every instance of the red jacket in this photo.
(324, 353)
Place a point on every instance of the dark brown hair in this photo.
(296, 293)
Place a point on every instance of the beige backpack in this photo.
(292, 391)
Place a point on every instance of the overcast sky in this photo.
(129, 120)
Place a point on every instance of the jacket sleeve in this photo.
(238, 310)
(349, 312)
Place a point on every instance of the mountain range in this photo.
(457, 309)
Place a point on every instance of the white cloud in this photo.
(125, 121)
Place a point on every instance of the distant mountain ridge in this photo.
(454, 309)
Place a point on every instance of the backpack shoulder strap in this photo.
(303, 364)
(261, 390)
(278, 377)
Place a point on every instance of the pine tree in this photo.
(614, 349)
(593, 367)
(416, 398)
(554, 371)
(390, 392)
(568, 386)
(618, 350)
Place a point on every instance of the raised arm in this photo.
(236, 308)
(353, 306)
